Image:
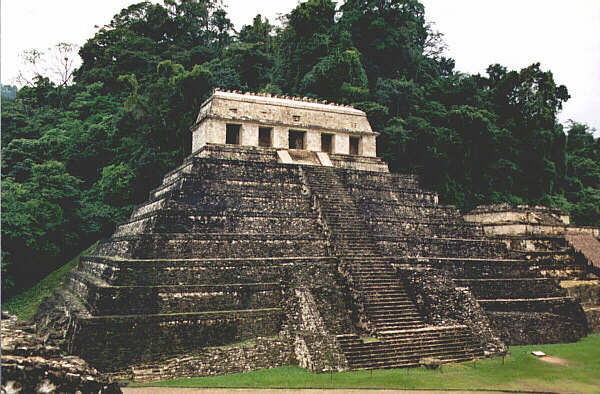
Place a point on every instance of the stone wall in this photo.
(524, 328)
(504, 220)
(260, 353)
(134, 323)
(432, 247)
(588, 294)
(314, 345)
(123, 272)
(316, 304)
(585, 292)
(103, 299)
(112, 342)
(186, 246)
(441, 303)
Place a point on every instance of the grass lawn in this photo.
(520, 371)
(25, 305)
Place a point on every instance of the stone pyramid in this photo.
(284, 225)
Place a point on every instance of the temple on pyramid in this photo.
(284, 236)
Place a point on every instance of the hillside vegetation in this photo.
(26, 304)
(79, 152)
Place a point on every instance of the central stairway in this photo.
(403, 338)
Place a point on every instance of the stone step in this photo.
(371, 282)
(407, 353)
(406, 343)
(407, 312)
(376, 305)
(404, 311)
(387, 351)
(399, 300)
(380, 303)
(377, 295)
(410, 341)
(392, 302)
(374, 280)
(382, 275)
(395, 320)
(429, 331)
(410, 364)
(378, 349)
(394, 287)
(415, 357)
(384, 323)
(379, 275)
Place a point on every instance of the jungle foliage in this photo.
(77, 156)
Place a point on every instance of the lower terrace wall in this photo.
(316, 303)
(588, 294)
(247, 356)
(528, 328)
(441, 303)
(113, 342)
(311, 310)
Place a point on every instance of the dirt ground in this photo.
(554, 360)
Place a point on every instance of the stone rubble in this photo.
(32, 364)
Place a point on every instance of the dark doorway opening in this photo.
(232, 136)
(297, 139)
(327, 143)
(265, 137)
(354, 143)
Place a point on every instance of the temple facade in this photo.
(303, 131)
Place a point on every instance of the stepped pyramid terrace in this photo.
(283, 239)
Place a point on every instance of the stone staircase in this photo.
(404, 339)
(409, 348)
(346, 225)
(386, 303)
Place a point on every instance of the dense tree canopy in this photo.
(77, 156)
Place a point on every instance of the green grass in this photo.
(520, 371)
(25, 305)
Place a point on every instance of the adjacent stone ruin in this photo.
(558, 252)
(284, 226)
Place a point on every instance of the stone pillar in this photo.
(215, 131)
(281, 137)
(313, 141)
(210, 131)
(341, 144)
(369, 146)
(199, 137)
(249, 135)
